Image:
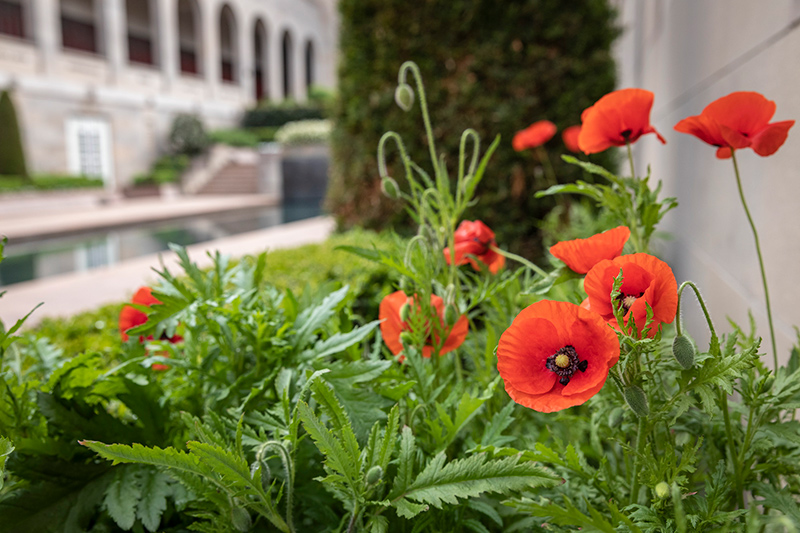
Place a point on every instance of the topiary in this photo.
(12, 155)
(187, 136)
(495, 67)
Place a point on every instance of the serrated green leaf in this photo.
(156, 486)
(313, 318)
(123, 496)
(407, 509)
(442, 483)
(339, 342)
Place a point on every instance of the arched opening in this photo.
(141, 29)
(260, 59)
(79, 29)
(227, 45)
(287, 65)
(309, 65)
(188, 33)
(13, 19)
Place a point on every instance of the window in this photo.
(89, 148)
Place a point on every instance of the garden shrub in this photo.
(495, 68)
(188, 135)
(304, 132)
(12, 153)
(166, 169)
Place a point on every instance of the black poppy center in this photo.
(565, 362)
(626, 134)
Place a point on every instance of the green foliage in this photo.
(235, 137)
(495, 69)
(166, 169)
(304, 132)
(187, 135)
(12, 153)
(270, 115)
(47, 182)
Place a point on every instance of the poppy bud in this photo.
(683, 351)
(637, 400)
(615, 417)
(389, 188)
(662, 490)
(405, 311)
(374, 475)
(451, 315)
(240, 519)
(406, 338)
(404, 96)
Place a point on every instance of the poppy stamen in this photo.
(628, 300)
(565, 362)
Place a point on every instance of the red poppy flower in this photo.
(582, 254)
(556, 355)
(646, 280)
(534, 135)
(392, 325)
(131, 317)
(618, 118)
(739, 120)
(570, 138)
(473, 242)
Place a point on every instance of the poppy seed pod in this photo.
(404, 96)
(637, 401)
(405, 311)
(662, 490)
(683, 351)
(406, 339)
(240, 518)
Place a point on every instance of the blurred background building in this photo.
(97, 83)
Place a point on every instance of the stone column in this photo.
(270, 171)
(275, 61)
(299, 68)
(168, 35)
(47, 22)
(209, 35)
(114, 34)
(246, 58)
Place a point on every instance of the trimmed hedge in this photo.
(495, 67)
(47, 182)
(274, 116)
(12, 154)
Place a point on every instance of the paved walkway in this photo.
(75, 292)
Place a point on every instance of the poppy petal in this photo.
(580, 255)
(742, 111)
(523, 351)
(771, 137)
(702, 127)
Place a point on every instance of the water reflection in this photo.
(79, 252)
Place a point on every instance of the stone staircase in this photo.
(233, 178)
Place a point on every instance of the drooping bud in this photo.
(451, 315)
(390, 188)
(637, 400)
(405, 312)
(683, 351)
(406, 338)
(240, 518)
(662, 490)
(374, 475)
(404, 96)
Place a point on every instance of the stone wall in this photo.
(690, 53)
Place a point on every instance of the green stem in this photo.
(640, 441)
(760, 258)
(702, 306)
(634, 223)
(423, 105)
(351, 526)
(519, 259)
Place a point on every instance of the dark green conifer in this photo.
(12, 155)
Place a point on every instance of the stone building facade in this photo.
(97, 83)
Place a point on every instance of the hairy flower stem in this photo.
(640, 442)
(760, 259)
(519, 259)
(723, 397)
(351, 526)
(634, 223)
